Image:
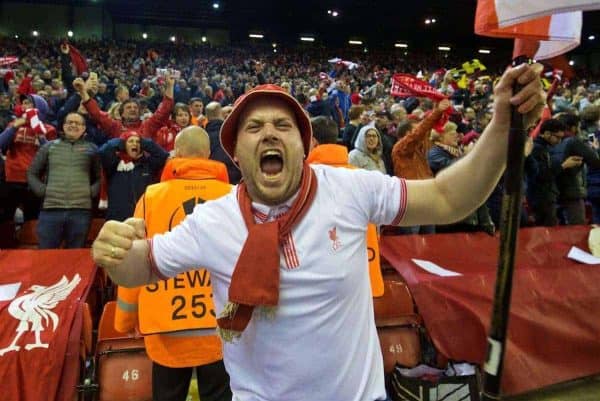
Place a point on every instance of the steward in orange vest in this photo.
(335, 155)
(177, 316)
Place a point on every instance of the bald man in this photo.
(214, 113)
(177, 316)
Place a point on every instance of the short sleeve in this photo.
(382, 197)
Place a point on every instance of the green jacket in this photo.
(66, 174)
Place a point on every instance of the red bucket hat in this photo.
(228, 133)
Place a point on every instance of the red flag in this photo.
(78, 60)
(542, 29)
(402, 84)
(40, 295)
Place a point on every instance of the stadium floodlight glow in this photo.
(256, 36)
(173, 38)
(444, 48)
(591, 37)
(203, 38)
(145, 35)
(355, 42)
(307, 39)
(215, 5)
(427, 21)
(70, 34)
(402, 45)
(484, 51)
(35, 33)
(571, 63)
(334, 13)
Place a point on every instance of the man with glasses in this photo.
(542, 170)
(71, 166)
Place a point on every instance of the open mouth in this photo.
(271, 163)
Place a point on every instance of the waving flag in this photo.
(78, 60)
(348, 64)
(542, 28)
(8, 60)
(404, 85)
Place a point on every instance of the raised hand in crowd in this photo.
(79, 86)
(444, 105)
(170, 85)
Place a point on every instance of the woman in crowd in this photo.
(368, 149)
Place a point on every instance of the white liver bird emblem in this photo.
(35, 308)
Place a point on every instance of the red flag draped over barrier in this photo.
(554, 319)
(40, 297)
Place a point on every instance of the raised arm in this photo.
(161, 116)
(407, 145)
(461, 188)
(111, 127)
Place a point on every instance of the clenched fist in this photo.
(115, 240)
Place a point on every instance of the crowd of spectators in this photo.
(80, 144)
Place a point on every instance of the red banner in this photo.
(404, 85)
(8, 60)
(554, 320)
(40, 296)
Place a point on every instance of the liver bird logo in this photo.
(335, 241)
(34, 310)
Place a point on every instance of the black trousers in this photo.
(172, 384)
(17, 194)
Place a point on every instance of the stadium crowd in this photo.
(78, 143)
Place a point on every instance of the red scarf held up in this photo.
(255, 279)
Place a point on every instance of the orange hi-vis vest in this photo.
(337, 156)
(176, 316)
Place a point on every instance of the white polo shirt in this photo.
(322, 343)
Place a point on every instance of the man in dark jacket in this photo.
(571, 183)
(541, 171)
(214, 115)
(72, 168)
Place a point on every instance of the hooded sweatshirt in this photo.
(360, 157)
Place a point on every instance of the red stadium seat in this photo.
(124, 371)
(398, 325)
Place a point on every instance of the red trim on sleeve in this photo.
(153, 266)
(402, 206)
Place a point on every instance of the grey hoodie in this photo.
(359, 156)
